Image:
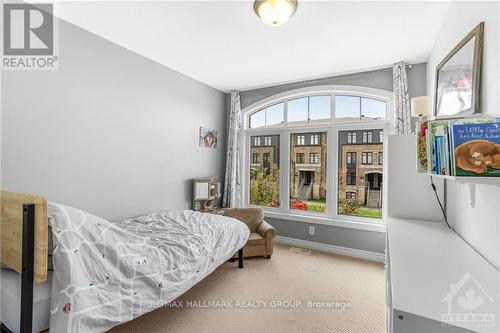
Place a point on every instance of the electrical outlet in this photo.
(311, 230)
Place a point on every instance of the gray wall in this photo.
(346, 237)
(333, 235)
(380, 79)
(110, 132)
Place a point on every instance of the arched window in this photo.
(314, 145)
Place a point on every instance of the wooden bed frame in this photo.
(24, 245)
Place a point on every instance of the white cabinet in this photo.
(432, 275)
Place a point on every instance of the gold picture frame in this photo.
(458, 78)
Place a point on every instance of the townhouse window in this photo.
(267, 141)
(381, 136)
(300, 158)
(367, 137)
(315, 139)
(350, 195)
(366, 158)
(267, 157)
(301, 140)
(351, 137)
(381, 158)
(350, 158)
(313, 158)
(350, 178)
(256, 141)
(266, 163)
(255, 157)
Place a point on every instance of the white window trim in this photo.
(330, 217)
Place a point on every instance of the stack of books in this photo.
(460, 147)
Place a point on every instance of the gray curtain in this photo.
(232, 183)
(402, 115)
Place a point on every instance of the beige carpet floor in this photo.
(288, 277)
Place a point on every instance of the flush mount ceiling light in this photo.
(275, 12)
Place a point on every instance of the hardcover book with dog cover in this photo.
(477, 149)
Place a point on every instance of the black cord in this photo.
(439, 202)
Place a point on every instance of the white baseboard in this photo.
(345, 251)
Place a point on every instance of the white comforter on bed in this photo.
(109, 273)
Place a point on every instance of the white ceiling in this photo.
(225, 45)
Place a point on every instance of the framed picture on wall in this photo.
(208, 137)
(458, 78)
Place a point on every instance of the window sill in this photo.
(327, 221)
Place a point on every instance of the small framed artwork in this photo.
(208, 137)
(458, 78)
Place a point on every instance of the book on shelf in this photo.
(476, 146)
(422, 162)
(438, 147)
(464, 147)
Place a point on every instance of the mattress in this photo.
(11, 301)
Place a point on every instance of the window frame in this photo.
(330, 216)
(351, 138)
(314, 139)
(352, 156)
(302, 158)
(352, 178)
(367, 137)
(314, 158)
(352, 194)
(302, 141)
(369, 158)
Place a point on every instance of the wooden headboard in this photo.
(12, 231)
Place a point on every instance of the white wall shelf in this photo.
(495, 181)
(471, 182)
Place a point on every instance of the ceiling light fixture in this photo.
(275, 12)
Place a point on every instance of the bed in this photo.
(108, 273)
